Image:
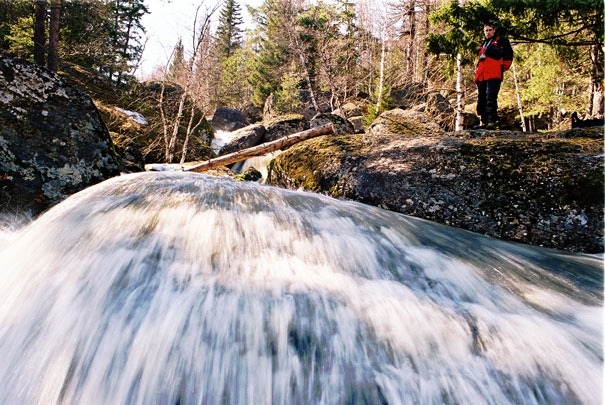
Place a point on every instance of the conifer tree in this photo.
(274, 52)
(561, 24)
(178, 66)
(229, 34)
(126, 35)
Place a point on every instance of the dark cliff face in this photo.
(541, 189)
(52, 140)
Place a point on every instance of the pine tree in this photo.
(274, 52)
(85, 34)
(561, 24)
(178, 66)
(229, 34)
(126, 36)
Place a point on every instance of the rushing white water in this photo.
(220, 139)
(260, 163)
(180, 288)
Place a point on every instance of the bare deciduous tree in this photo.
(200, 45)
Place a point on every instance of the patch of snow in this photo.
(135, 116)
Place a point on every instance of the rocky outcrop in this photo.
(52, 140)
(409, 95)
(354, 111)
(410, 123)
(540, 189)
(150, 137)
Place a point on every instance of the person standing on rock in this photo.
(495, 57)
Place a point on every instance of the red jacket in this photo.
(498, 58)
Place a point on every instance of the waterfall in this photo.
(182, 288)
(260, 163)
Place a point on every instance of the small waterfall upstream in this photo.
(181, 288)
(260, 163)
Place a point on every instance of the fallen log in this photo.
(261, 149)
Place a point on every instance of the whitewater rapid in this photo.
(181, 288)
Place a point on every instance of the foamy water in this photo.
(183, 288)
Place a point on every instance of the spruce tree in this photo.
(126, 35)
(178, 66)
(229, 33)
(274, 52)
(560, 24)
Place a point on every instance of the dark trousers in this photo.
(487, 102)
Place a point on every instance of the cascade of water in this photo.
(220, 139)
(259, 162)
(183, 288)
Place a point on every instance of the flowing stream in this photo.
(260, 163)
(181, 288)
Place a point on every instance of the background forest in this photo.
(301, 53)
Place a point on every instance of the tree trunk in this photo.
(190, 128)
(170, 150)
(595, 103)
(422, 67)
(262, 149)
(459, 88)
(381, 80)
(523, 127)
(310, 81)
(53, 35)
(411, 51)
(40, 33)
(459, 95)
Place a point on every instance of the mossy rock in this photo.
(404, 122)
(284, 125)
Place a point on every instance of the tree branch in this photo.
(261, 149)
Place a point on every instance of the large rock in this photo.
(228, 119)
(244, 138)
(341, 125)
(440, 109)
(409, 95)
(150, 138)
(52, 140)
(539, 189)
(284, 125)
(404, 122)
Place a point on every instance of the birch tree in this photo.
(459, 123)
(200, 44)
